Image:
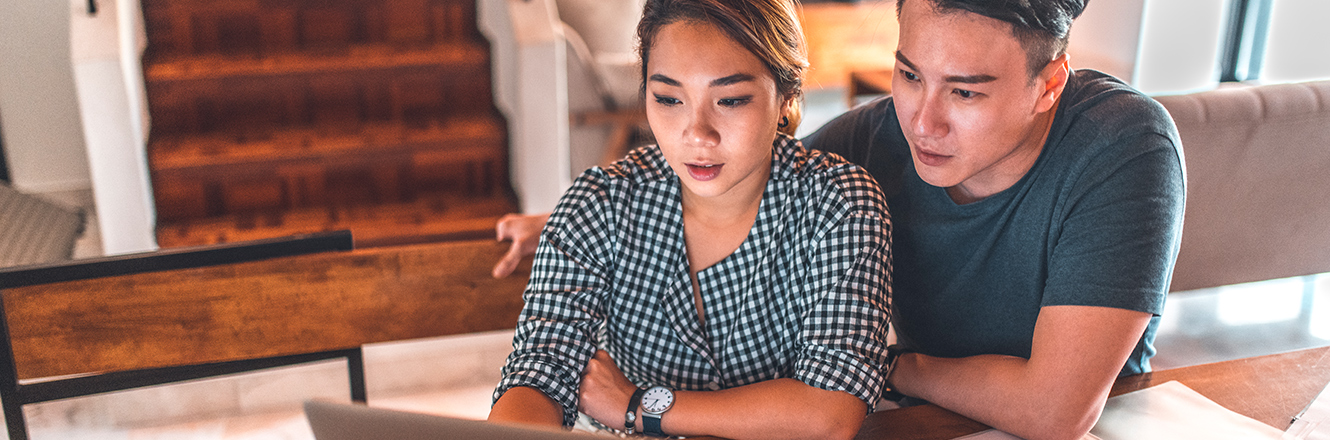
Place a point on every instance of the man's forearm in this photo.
(780, 408)
(1001, 392)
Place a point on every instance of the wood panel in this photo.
(268, 308)
(845, 37)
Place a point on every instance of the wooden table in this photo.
(1271, 389)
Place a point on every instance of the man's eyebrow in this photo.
(664, 79)
(732, 79)
(963, 79)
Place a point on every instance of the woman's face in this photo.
(714, 108)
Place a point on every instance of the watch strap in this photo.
(651, 425)
(630, 416)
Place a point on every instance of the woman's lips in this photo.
(703, 173)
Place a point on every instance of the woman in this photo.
(725, 282)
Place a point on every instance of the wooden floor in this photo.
(429, 218)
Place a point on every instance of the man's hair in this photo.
(1041, 26)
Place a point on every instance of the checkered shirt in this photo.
(806, 296)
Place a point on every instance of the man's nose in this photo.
(930, 118)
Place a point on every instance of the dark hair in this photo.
(1042, 26)
(768, 28)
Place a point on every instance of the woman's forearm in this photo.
(780, 408)
(526, 405)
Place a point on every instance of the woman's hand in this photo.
(524, 231)
(605, 391)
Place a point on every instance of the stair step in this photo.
(432, 217)
(356, 58)
(464, 139)
(199, 176)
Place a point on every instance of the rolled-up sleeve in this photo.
(842, 342)
(555, 335)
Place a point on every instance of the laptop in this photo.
(342, 421)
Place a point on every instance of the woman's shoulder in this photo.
(600, 191)
(827, 176)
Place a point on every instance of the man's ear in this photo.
(1052, 80)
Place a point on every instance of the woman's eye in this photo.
(733, 102)
(665, 100)
(908, 75)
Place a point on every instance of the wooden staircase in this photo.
(276, 117)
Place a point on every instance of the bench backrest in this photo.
(273, 307)
(1258, 183)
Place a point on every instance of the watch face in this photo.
(657, 400)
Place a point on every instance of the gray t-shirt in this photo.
(1095, 222)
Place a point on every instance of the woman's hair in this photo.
(768, 28)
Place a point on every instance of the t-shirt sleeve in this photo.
(843, 337)
(554, 338)
(1117, 245)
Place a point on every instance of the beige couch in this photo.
(1258, 183)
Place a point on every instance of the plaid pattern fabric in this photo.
(806, 296)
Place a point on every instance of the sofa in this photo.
(1258, 183)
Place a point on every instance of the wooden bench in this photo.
(118, 323)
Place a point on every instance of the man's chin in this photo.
(936, 176)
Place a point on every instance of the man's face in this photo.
(974, 120)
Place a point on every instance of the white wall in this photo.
(106, 53)
(38, 107)
(1107, 37)
(1180, 42)
(530, 87)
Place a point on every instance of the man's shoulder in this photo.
(1102, 117)
(1103, 100)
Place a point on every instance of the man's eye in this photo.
(908, 75)
(965, 93)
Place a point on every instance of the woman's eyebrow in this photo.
(664, 79)
(718, 82)
(732, 79)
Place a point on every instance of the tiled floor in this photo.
(454, 376)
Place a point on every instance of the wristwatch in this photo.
(630, 417)
(655, 402)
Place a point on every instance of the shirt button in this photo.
(713, 386)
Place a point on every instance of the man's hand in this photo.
(524, 231)
(605, 391)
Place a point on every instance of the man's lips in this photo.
(930, 158)
(704, 172)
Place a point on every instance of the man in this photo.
(1037, 213)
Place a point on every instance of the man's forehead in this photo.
(961, 46)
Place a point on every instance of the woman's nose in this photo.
(701, 130)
